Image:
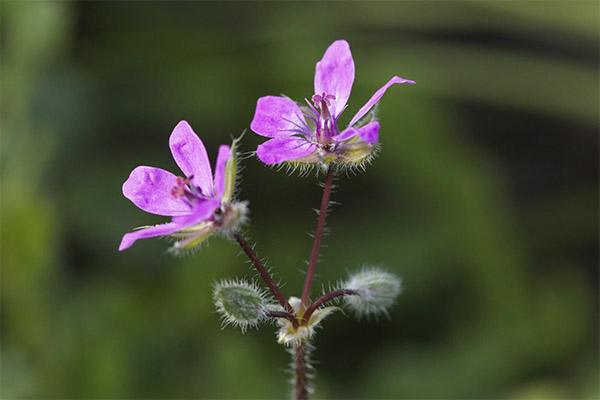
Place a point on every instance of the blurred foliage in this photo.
(484, 198)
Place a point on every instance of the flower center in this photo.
(326, 124)
(185, 190)
(324, 98)
(180, 188)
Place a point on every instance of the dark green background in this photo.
(484, 198)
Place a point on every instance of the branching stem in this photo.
(324, 299)
(282, 314)
(314, 255)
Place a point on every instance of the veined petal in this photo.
(224, 156)
(149, 188)
(153, 231)
(190, 155)
(284, 149)
(201, 212)
(279, 116)
(334, 74)
(376, 97)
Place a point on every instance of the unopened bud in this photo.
(290, 334)
(240, 303)
(376, 291)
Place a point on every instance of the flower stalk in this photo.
(301, 371)
(324, 299)
(314, 255)
(264, 274)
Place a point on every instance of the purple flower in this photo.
(311, 134)
(197, 202)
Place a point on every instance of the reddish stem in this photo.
(314, 255)
(300, 371)
(264, 274)
(283, 314)
(324, 299)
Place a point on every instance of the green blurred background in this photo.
(484, 198)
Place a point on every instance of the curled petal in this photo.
(279, 116)
(190, 155)
(224, 156)
(376, 97)
(334, 75)
(149, 188)
(284, 149)
(153, 231)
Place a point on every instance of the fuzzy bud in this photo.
(240, 303)
(376, 292)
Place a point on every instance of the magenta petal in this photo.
(376, 97)
(346, 134)
(190, 155)
(201, 212)
(279, 116)
(222, 158)
(370, 132)
(284, 149)
(334, 74)
(158, 230)
(149, 188)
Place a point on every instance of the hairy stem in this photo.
(324, 299)
(282, 314)
(314, 255)
(300, 371)
(264, 274)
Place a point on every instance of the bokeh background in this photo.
(484, 198)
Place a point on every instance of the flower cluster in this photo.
(201, 203)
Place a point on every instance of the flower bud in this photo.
(376, 292)
(230, 173)
(289, 334)
(240, 303)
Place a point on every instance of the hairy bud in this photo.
(240, 303)
(376, 292)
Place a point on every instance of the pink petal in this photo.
(376, 97)
(284, 149)
(222, 158)
(334, 74)
(201, 212)
(278, 116)
(158, 230)
(149, 188)
(370, 132)
(190, 155)
(346, 134)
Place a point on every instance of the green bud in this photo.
(240, 303)
(230, 173)
(376, 292)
